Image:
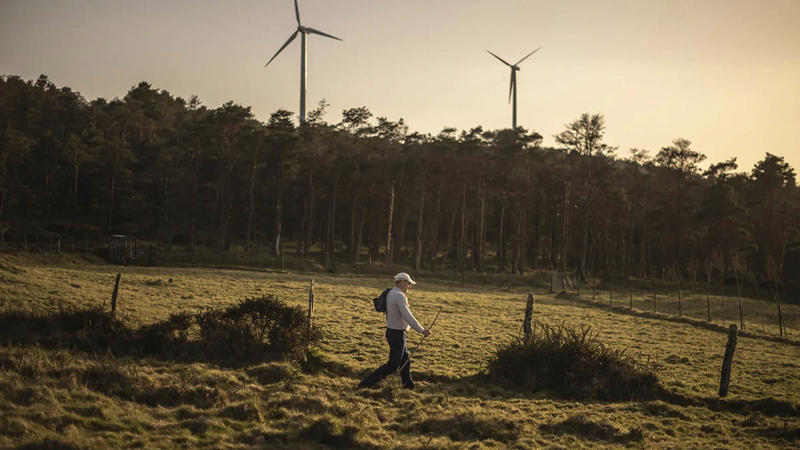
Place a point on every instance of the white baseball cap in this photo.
(402, 276)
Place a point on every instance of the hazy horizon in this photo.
(721, 74)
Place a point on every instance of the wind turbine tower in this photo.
(512, 88)
(304, 31)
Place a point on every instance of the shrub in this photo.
(170, 334)
(256, 329)
(92, 329)
(572, 363)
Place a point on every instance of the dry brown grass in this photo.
(66, 398)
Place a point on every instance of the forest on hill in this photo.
(173, 171)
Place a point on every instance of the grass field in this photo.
(58, 397)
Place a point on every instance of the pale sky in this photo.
(723, 74)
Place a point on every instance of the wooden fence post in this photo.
(630, 301)
(725, 376)
(708, 307)
(741, 315)
(655, 309)
(114, 296)
(610, 295)
(310, 303)
(780, 321)
(593, 290)
(680, 303)
(526, 325)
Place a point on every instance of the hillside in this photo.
(60, 397)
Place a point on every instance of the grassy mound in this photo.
(254, 330)
(584, 428)
(571, 363)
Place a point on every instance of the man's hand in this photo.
(426, 332)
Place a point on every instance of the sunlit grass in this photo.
(70, 398)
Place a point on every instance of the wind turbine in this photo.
(512, 88)
(303, 58)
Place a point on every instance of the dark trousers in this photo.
(398, 355)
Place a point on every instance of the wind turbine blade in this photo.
(311, 30)
(501, 59)
(526, 56)
(297, 12)
(288, 41)
(511, 85)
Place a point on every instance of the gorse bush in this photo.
(261, 329)
(255, 328)
(571, 363)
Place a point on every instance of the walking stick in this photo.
(420, 342)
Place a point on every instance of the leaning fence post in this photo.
(725, 377)
(114, 296)
(526, 325)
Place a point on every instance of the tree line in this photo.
(175, 171)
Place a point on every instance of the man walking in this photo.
(398, 320)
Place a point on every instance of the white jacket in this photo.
(398, 316)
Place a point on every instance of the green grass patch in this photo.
(169, 391)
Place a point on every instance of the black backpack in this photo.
(380, 301)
